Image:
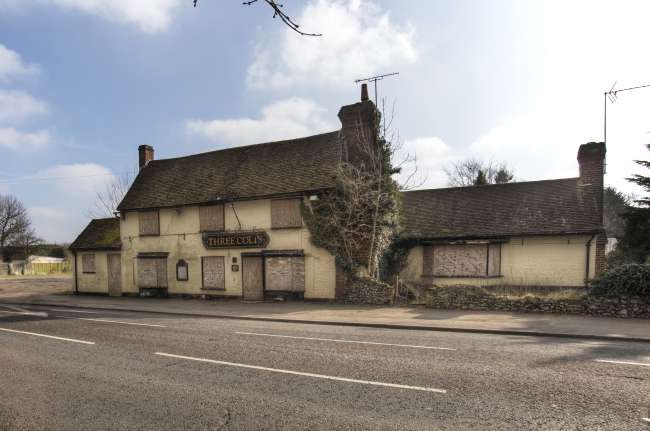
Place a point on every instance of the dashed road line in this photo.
(113, 321)
(299, 373)
(640, 364)
(62, 310)
(337, 340)
(73, 340)
(25, 313)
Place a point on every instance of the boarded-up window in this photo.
(285, 273)
(88, 263)
(462, 260)
(214, 272)
(211, 217)
(152, 272)
(149, 223)
(427, 261)
(285, 213)
(494, 260)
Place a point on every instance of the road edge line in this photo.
(616, 338)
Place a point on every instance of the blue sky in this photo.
(84, 82)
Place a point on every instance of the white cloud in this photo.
(84, 179)
(23, 142)
(358, 40)
(12, 65)
(65, 195)
(150, 16)
(16, 106)
(430, 154)
(581, 62)
(286, 119)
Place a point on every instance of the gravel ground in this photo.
(27, 286)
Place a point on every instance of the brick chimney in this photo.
(591, 159)
(145, 153)
(359, 126)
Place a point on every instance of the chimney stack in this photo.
(591, 159)
(145, 153)
(364, 92)
(359, 128)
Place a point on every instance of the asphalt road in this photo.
(124, 370)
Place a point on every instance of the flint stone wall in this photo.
(478, 298)
(367, 291)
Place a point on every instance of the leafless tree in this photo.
(357, 221)
(278, 13)
(107, 200)
(13, 219)
(466, 173)
(26, 240)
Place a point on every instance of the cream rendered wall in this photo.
(181, 238)
(526, 261)
(92, 283)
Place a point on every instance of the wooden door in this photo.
(114, 263)
(253, 278)
(214, 272)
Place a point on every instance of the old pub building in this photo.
(228, 223)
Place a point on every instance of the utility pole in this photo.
(612, 95)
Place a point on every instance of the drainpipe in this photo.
(76, 281)
(588, 247)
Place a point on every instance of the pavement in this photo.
(397, 317)
(76, 368)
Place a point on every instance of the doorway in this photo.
(253, 278)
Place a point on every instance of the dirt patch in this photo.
(19, 286)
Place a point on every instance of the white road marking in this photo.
(641, 364)
(335, 340)
(298, 373)
(72, 311)
(645, 419)
(114, 321)
(25, 313)
(73, 340)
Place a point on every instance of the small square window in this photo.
(182, 273)
(88, 263)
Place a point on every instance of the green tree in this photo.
(635, 243)
(481, 179)
(615, 205)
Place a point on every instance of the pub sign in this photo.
(238, 239)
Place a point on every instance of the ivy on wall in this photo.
(358, 219)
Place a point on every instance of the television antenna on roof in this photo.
(374, 80)
(612, 95)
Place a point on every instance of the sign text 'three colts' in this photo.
(242, 239)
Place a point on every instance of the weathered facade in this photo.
(229, 223)
(96, 258)
(539, 233)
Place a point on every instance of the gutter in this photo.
(76, 280)
(588, 247)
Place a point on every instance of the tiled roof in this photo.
(526, 208)
(100, 234)
(284, 167)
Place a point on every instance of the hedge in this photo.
(623, 280)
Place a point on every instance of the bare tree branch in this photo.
(466, 172)
(107, 200)
(279, 13)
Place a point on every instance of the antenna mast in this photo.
(374, 80)
(612, 95)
